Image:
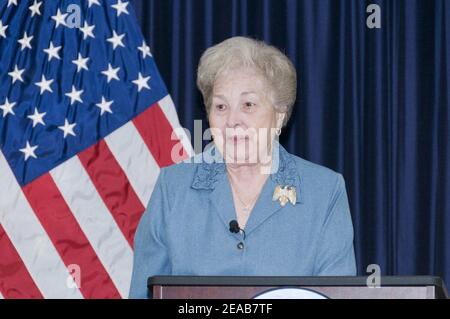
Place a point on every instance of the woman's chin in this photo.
(242, 159)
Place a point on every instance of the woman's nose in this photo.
(233, 118)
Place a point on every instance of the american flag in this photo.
(86, 123)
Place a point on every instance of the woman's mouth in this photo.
(238, 139)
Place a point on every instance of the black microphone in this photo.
(234, 227)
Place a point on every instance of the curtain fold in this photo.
(373, 104)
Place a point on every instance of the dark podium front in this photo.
(391, 287)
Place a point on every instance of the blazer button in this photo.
(240, 245)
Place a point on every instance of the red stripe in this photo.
(113, 186)
(15, 280)
(68, 238)
(156, 132)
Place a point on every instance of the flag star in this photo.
(111, 73)
(3, 29)
(25, 41)
(121, 7)
(52, 52)
(28, 151)
(141, 82)
(145, 49)
(116, 40)
(75, 95)
(67, 128)
(87, 30)
(81, 63)
(91, 2)
(38, 118)
(60, 18)
(16, 74)
(105, 106)
(7, 107)
(45, 85)
(14, 2)
(35, 8)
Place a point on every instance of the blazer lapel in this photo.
(284, 173)
(211, 176)
(264, 207)
(221, 200)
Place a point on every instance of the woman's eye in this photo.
(249, 105)
(220, 107)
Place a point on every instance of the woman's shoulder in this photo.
(314, 174)
(318, 170)
(320, 186)
(184, 173)
(179, 172)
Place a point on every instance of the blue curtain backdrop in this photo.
(372, 104)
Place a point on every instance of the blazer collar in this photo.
(211, 175)
(212, 168)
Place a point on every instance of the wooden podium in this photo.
(392, 287)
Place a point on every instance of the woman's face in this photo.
(242, 117)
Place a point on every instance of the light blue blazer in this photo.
(185, 229)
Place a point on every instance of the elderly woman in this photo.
(245, 207)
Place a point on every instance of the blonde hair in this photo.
(237, 52)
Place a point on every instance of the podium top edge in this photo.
(293, 281)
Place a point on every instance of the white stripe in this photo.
(96, 221)
(135, 159)
(167, 106)
(1, 296)
(30, 239)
